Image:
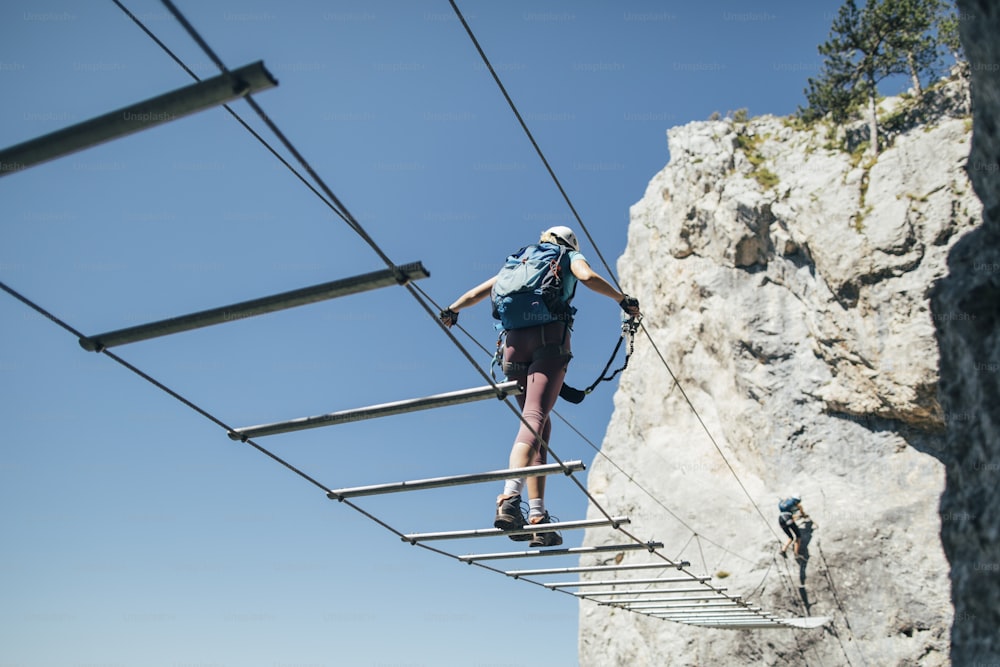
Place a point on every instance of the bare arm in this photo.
(450, 316)
(592, 280)
(474, 295)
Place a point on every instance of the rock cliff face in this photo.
(966, 308)
(786, 283)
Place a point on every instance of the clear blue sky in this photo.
(134, 531)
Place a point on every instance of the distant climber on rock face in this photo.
(790, 508)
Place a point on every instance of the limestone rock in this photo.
(786, 285)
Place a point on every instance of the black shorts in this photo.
(787, 524)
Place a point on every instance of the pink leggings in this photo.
(542, 380)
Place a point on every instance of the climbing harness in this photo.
(545, 351)
(629, 327)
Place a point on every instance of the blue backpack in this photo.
(529, 290)
(788, 504)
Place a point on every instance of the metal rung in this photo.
(413, 538)
(731, 622)
(618, 582)
(716, 625)
(716, 619)
(746, 625)
(685, 598)
(680, 612)
(720, 613)
(457, 480)
(149, 113)
(385, 409)
(572, 551)
(721, 621)
(704, 606)
(729, 614)
(683, 614)
(766, 622)
(806, 622)
(255, 307)
(592, 568)
(649, 591)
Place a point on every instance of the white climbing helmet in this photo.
(564, 233)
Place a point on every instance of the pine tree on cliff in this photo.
(947, 30)
(915, 41)
(866, 45)
(859, 54)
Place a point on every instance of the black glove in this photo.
(629, 304)
(448, 317)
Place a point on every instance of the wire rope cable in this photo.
(419, 295)
(359, 229)
(352, 222)
(607, 266)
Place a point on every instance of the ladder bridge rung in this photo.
(254, 307)
(682, 599)
(140, 116)
(649, 591)
(704, 606)
(592, 568)
(457, 480)
(719, 619)
(527, 530)
(501, 391)
(745, 625)
(806, 622)
(571, 551)
(628, 582)
(705, 616)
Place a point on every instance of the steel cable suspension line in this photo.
(218, 422)
(336, 204)
(603, 455)
(353, 223)
(338, 209)
(607, 266)
(423, 302)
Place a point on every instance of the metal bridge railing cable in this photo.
(357, 228)
(597, 449)
(708, 432)
(431, 307)
(652, 496)
(531, 138)
(286, 142)
(232, 112)
(607, 266)
(226, 428)
(159, 385)
(352, 222)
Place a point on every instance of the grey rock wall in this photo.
(786, 284)
(966, 311)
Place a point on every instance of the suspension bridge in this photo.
(654, 585)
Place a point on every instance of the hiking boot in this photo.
(511, 517)
(549, 539)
